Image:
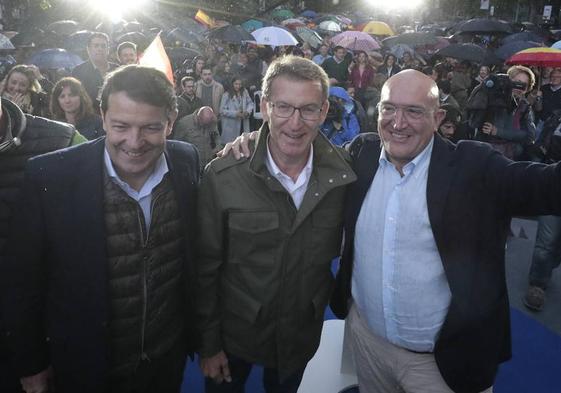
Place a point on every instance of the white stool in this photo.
(332, 368)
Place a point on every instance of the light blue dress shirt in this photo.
(399, 284)
(144, 196)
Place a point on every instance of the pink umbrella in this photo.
(356, 40)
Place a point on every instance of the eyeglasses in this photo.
(307, 112)
(411, 113)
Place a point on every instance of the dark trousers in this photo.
(239, 371)
(162, 375)
(547, 251)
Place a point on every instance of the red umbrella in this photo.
(541, 57)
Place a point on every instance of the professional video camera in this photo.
(491, 96)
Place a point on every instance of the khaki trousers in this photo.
(383, 367)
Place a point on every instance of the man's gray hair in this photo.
(295, 68)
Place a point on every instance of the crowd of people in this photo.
(124, 249)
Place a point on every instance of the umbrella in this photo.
(52, 59)
(136, 37)
(254, 24)
(5, 43)
(282, 14)
(309, 14)
(329, 25)
(28, 38)
(411, 39)
(509, 49)
(309, 36)
(483, 26)
(190, 24)
(470, 52)
(64, 27)
(399, 49)
(274, 36)
(230, 33)
(523, 36)
(557, 45)
(378, 28)
(356, 40)
(178, 55)
(78, 41)
(133, 26)
(183, 35)
(292, 23)
(541, 57)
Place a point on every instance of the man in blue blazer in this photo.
(98, 280)
(422, 277)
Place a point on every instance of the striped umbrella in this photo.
(541, 57)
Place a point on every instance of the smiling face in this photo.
(404, 136)
(17, 84)
(127, 56)
(291, 138)
(68, 101)
(136, 136)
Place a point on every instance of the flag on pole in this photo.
(204, 18)
(155, 56)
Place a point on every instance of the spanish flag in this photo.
(155, 56)
(204, 18)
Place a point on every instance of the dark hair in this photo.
(125, 45)
(230, 87)
(142, 84)
(98, 34)
(77, 89)
(386, 57)
(428, 70)
(337, 48)
(453, 115)
(445, 86)
(187, 78)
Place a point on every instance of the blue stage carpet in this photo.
(535, 366)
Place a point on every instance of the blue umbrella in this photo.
(5, 43)
(52, 59)
(557, 45)
(523, 36)
(309, 14)
(508, 49)
(252, 25)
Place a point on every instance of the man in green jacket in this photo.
(269, 227)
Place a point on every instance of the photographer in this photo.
(341, 124)
(506, 120)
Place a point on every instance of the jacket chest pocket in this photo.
(253, 237)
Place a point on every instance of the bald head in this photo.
(206, 116)
(419, 84)
(408, 116)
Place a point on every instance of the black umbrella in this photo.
(134, 36)
(483, 26)
(510, 48)
(133, 26)
(470, 52)
(178, 55)
(182, 35)
(52, 59)
(64, 27)
(410, 39)
(28, 38)
(523, 36)
(230, 33)
(77, 42)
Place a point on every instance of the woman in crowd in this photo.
(361, 76)
(513, 128)
(451, 127)
(71, 103)
(22, 88)
(406, 60)
(235, 108)
(389, 67)
(484, 72)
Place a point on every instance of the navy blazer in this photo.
(472, 193)
(55, 280)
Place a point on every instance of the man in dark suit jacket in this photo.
(100, 257)
(422, 276)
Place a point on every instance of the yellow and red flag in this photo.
(155, 56)
(204, 18)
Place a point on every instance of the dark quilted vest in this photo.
(41, 136)
(146, 278)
